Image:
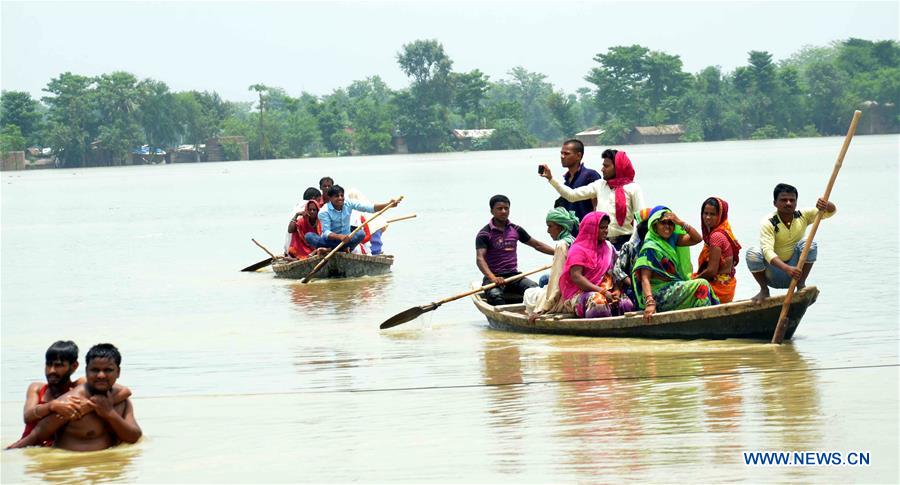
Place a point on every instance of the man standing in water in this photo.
(42, 400)
(108, 424)
(495, 254)
(781, 240)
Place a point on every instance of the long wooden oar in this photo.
(401, 218)
(260, 265)
(778, 336)
(414, 312)
(263, 263)
(342, 243)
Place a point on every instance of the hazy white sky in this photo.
(318, 46)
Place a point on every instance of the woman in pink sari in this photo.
(586, 283)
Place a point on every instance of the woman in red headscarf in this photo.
(303, 223)
(617, 194)
(719, 255)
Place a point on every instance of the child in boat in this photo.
(781, 240)
(719, 255)
(662, 273)
(546, 299)
(586, 283)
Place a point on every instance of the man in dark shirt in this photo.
(578, 175)
(495, 254)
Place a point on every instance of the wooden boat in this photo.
(341, 265)
(741, 319)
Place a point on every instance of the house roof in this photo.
(472, 134)
(660, 130)
(594, 130)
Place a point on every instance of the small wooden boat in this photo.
(341, 265)
(741, 319)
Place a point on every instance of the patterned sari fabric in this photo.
(670, 267)
(723, 284)
(629, 252)
(596, 260)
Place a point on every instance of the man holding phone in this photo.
(578, 175)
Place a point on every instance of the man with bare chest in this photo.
(105, 424)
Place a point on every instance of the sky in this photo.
(318, 47)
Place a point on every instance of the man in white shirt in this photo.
(616, 194)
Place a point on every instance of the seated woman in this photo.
(629, 252)
(586, 283)
(720, 250)
(302, 223)
(546, 299)
(662, 272)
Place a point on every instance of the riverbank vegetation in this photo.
(811, 93)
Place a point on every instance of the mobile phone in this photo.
(540, 170)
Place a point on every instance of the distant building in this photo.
(591, 136)
(465, 138)
(656, 134)
(13, 161)
(215, 152)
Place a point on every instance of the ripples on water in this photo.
(243, 377)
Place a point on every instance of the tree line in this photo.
(813, 92)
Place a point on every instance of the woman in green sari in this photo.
(662, 273)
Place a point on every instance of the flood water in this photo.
(241, 377)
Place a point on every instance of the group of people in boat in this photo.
(613, 253)
(91, 413)
(327, 216)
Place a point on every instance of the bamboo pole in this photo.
(778, 336)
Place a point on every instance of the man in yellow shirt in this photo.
(781, 240)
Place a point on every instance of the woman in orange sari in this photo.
(719, 255)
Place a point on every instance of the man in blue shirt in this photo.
(335, 218)
(578, 175)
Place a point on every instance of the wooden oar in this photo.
(778, 336)
(342, 243)
(260, 265)
(414, 312)
(401, 218)
(263, 263)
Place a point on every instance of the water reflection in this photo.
(330, 297)
(616, 400)
(61, 466)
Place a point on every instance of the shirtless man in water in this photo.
(105, 424)
(43, 399)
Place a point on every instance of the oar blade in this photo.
(407, 315)
(259, 265)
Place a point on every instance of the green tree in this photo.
(72, 117)
(563, 109)
(638, 86)
(11, 139)
(159, 113)
(118, 103)
(261, 90)
(423, 115)
(18, 108)
(469, 91)
(509, 135)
